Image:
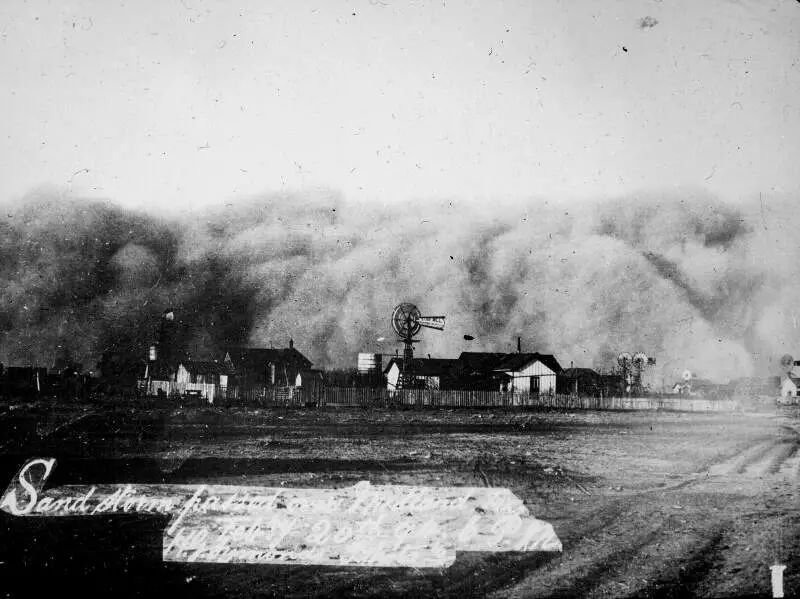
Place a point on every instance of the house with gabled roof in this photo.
(530, 372)
(515, 373)
(261, 367)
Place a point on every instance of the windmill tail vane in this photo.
(432, 322)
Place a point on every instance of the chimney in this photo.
(519, 345)
(291, 343)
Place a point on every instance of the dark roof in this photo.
(580, 372)
(203, 367)
(256, 357)
(487, 361)
(310, 374)
(480, 361)
(514, 362)
(429, 366)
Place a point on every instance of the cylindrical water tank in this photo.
(369, 363)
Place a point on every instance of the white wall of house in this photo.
(393, 376)
(431, 382)
(183, 375)
(788, 388)
(521, 379)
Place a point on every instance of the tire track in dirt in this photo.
(686, 575)
(587, 552)
(595, 568)
(762, 459)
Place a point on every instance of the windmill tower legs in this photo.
(406, 379)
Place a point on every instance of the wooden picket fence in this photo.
(343, 397)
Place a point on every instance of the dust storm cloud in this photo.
(688, 279)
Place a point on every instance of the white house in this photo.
(790, 386)
(529, 372)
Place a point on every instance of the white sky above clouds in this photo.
(178, 104)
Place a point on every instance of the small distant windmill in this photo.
(640, 362)
(407, 322)
(624, 361)
(632, 368)
(788, 363)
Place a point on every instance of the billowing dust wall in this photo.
(683, 277)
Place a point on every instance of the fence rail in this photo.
(355, 397)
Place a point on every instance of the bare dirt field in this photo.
(646, 504)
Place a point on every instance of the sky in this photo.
(175, 105)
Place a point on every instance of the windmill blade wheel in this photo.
(405, 320)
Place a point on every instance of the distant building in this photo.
(259, 367)
(696, 387)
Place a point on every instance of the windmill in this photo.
(407, 322)
(639, 362)
(788, 363)
(624, 361)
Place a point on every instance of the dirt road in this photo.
(646, 504)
